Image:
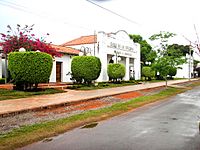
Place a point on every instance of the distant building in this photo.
(187, 69)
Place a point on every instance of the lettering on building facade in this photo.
(121, 47)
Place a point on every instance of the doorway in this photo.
(58, 71)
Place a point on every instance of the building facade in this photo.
(61, 70)
(187, 69)
(111, 48)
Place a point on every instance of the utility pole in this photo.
(189, 77)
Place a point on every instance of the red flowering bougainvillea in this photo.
(23, 37)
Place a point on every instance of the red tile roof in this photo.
(68, 50)
(90, 39)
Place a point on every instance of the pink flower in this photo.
(3, 35)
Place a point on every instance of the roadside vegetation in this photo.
(85, 69)
(30, 59)
(32, 133)
(13, 94)
(103, 85)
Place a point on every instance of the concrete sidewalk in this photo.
(46, 101)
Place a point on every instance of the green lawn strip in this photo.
(13, 94)
(32, 133)
(194, 84)
(102, 85)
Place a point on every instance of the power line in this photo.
(48, 16)
(196, 33)
(134, 22)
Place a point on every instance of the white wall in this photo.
(86, 46)
(120, 40)
(65, 68)
(184, 72)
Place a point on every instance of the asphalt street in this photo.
(169, 125)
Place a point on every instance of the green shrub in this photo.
(2, 80)
(28, 68)
(172, 71)
(85, 68)
(116, 71)
(148, 72)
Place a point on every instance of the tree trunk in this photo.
(36, 85)
(165, 82)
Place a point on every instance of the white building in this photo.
(62, 65)
(187, 69)
(111, 47)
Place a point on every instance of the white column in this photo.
(103, 75)
(126, 78)
(1, 68)
(103, 57)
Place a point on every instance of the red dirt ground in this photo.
(129, 95)
(92, 104)
(87, 105)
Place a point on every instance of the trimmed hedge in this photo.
(85, 68)
(30, 67)
(116, 71)
(148, 72)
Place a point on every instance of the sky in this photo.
(65, 20)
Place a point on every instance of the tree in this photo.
(23, 37)
(148, 72)
(147, 53)
(167, 56)
(172, 72)
(177, 50)
(162, 65)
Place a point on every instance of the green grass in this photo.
(102, 85)
(32, 133)
(13, 94)
(194, 84)
(154, 80)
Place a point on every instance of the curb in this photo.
(50, 106)
(56, 105)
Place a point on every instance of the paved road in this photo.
(170, 125)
